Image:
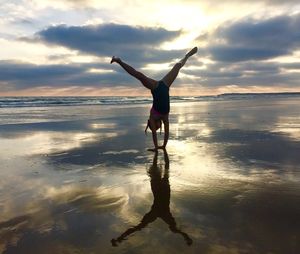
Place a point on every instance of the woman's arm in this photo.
(166, 134)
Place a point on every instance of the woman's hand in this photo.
(152, 149)
(115, 59)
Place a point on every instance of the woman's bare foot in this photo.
(115, 59)
(192, 52)
(189, 54)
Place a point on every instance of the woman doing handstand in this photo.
(160, 93)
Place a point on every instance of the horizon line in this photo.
(216, 95)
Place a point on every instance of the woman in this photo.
(160, 92)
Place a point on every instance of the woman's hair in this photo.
(157, 126)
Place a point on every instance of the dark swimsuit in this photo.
(161, 103)
(161, 99)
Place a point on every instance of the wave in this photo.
(14, 102)
(9, 102)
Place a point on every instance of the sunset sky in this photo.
(53, 47)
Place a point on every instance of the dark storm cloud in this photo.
(132, 43)
(250, 39)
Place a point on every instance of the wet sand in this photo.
(80, 179)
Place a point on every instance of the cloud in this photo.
(277, 80)
(242, 51)
(251, 39)
(281, 31)
(15, 75)
(22, 21)
(236, 54)
(267, 2)
(25, 75)
(246, 74)
(275, 2)
(291, 66)
(30, 73)
(138, 44)
(94, 4)
(104, 35)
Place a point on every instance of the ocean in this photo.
(76, 175)
(14, 102)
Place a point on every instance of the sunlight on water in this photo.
(228, 183)
(51, 142)
(290, 126)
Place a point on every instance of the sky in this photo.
(64, 48)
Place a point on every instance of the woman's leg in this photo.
(171, 76)
(147, 82)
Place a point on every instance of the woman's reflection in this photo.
(160, 187)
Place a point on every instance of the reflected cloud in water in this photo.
(50, 142)
(65, 220)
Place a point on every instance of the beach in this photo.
(79, 179)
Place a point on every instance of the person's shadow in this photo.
(160, 187)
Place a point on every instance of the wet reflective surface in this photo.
(82, 181)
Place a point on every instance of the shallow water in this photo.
(79, 180)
